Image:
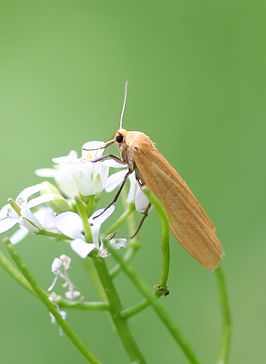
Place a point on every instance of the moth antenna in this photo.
(124, 106)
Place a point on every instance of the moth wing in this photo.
(189, 223)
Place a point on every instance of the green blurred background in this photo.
(197, 75)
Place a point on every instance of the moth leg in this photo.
(145, 214)
(116, 195)
(109, 156)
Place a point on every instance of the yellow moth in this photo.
(189, 222)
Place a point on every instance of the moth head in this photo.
(120, 137)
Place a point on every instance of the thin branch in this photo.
(121, 324)
(14, 273)
(162, 285)
(50, 306)
(134, 310)
(167, 321)
(226, 317)
(134, 244)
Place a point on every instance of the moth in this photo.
(189, 223)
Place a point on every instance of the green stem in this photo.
(162, 286)
(14, 273)
(94, 278)
(167, 321)
(133, 246)
(226, 316)
(134, 310)
(82, 209)
(89, 201)
(120, 322)
(53, 235)
(50, 306)
(85, 305)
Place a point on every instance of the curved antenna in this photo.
(124, 106)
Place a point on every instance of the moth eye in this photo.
(119, 138)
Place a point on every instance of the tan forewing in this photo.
(188, 221)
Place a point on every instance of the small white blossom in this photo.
(70, 224)
(22, 215)
(66, 261)
(75, 175)
(56, 265)
(62, 173)
(102, 250)
(59, 268)
(53, 297)
(71, 295)
(118, 243)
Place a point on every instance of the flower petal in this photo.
(82, 248)
(92, 154)
(96, 222)
(4, 212)
(133, 187)
(118, 243)
(113, 164)
(45, 172)
(56, 265)
(8, 211)
(6, 224)
(114, 180)
(27, 192)
(89, 177)
(102, 251)
(40, 200)
(141, 200)
(46, 217)
(19, 235)
(28, 220)
(71, 157)
(70, 224)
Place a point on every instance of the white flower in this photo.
(118, 243)
(56, 266)
(59, 268)
(135, 194)
(62, 173)
(70, 224)
(22, 214)
(54, 298)
(71, 295)
(75, 175)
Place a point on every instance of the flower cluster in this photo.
(53, 209)
(59, 268)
